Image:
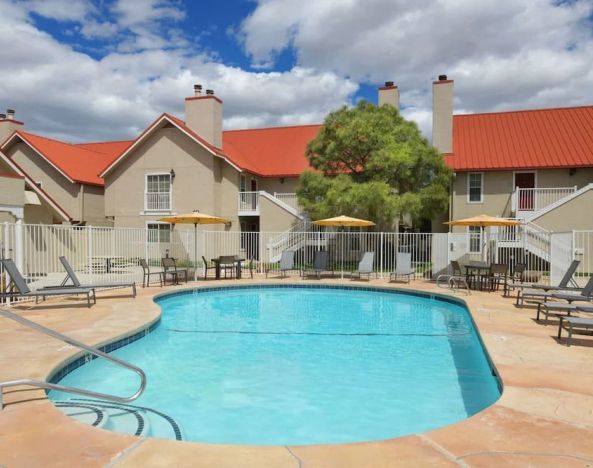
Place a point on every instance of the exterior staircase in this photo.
(302, 234)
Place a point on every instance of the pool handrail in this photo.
(62, 388)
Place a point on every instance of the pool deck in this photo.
(544, 417)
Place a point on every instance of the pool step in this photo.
(120, 417)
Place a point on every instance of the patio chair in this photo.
(454, 279)
(558, 308)
(208, 266)
(403, 267)
(146, 274)
(365, 266)
(497, 275)
(286, 263)
(170, 268)
(320, 265)
(248, 265)
(516, 278)
(19, 283)
(228, 263)
(71, 275)
(541, 291)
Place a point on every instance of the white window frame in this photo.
(481, 174)
(469, 239)
(148, 223)
(170, 191)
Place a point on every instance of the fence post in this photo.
(381, 254)
(89, 247)
(18, 243)
(6, 254)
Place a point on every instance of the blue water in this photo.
(272, 366)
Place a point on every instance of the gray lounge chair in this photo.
(570, 323)
(559, 308)
(540, 291)
(71, 275)
(286, 263)
(21, 289)
(365, 266)
(403, 267)
(320, 265)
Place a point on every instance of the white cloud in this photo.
(503, 54)
(67, 94)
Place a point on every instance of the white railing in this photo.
(248, 202)
(290, 199)
(157, 201)
(536, 199)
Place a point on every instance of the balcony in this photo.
(248, 204)
(157, 201)
(528, 202)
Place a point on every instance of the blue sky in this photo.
(93, 70)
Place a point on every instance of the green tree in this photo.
(372, 163)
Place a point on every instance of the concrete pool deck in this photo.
(544, 417)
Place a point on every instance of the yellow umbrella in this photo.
(344, 221)
(195, 218)
(484, 221)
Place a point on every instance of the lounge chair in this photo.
(365, 266)
(71, 275)
(570, 323)
(403, 267)
(170, 268)
(146, 274)
(320, 265)
(22, 290)
(559, 308)
(515, 279)
(286, 263)
(540, 291)
(455, 278)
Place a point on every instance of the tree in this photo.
(372, 163)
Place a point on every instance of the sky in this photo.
(82, 70)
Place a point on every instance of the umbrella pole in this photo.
(196, 252)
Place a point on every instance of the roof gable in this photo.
(531, 139)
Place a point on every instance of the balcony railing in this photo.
(290, 199)
(248, 203)
(157, 201)
(529, 200)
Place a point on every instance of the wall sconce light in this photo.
(572, 171)
(172, 173)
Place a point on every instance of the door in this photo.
(526, 198)
(253, 195)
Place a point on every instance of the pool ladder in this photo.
(78, 344)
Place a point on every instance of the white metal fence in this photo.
(104, 255)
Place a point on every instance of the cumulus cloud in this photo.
(70, 95)
(503, 54)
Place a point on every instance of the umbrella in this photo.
(484, 221)
(344, 221)
(195, 218)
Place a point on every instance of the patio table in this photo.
(237, 260)
(473, 270)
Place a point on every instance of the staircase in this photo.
(303, 234)
(529, 236)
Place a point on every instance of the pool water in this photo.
(299, 365)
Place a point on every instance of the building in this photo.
(535, 165)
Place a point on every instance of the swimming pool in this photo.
(272, 365)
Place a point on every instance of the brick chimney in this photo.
(8, 125)
(442, 114)
(203, 114)
(389, 94)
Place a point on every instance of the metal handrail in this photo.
(78, 344)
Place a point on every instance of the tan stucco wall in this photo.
(93, 206)
(12, 191)
(56, 185)
(273, 184)
(40, 214)
(573, 215)
(6, 217)
(499, 185)
(272, 218)
(202, 181)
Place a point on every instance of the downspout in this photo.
(81, 204)
(451, 185)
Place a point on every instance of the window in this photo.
(242, 183)
(475, 239)
(158, 192)
(159, 232)
(475, 182)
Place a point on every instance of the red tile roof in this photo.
(78, 162)
(531, 139)
(270, 152)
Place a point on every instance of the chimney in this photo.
(389, 94)
(442, 114)
(203, 114)
(8, 125)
